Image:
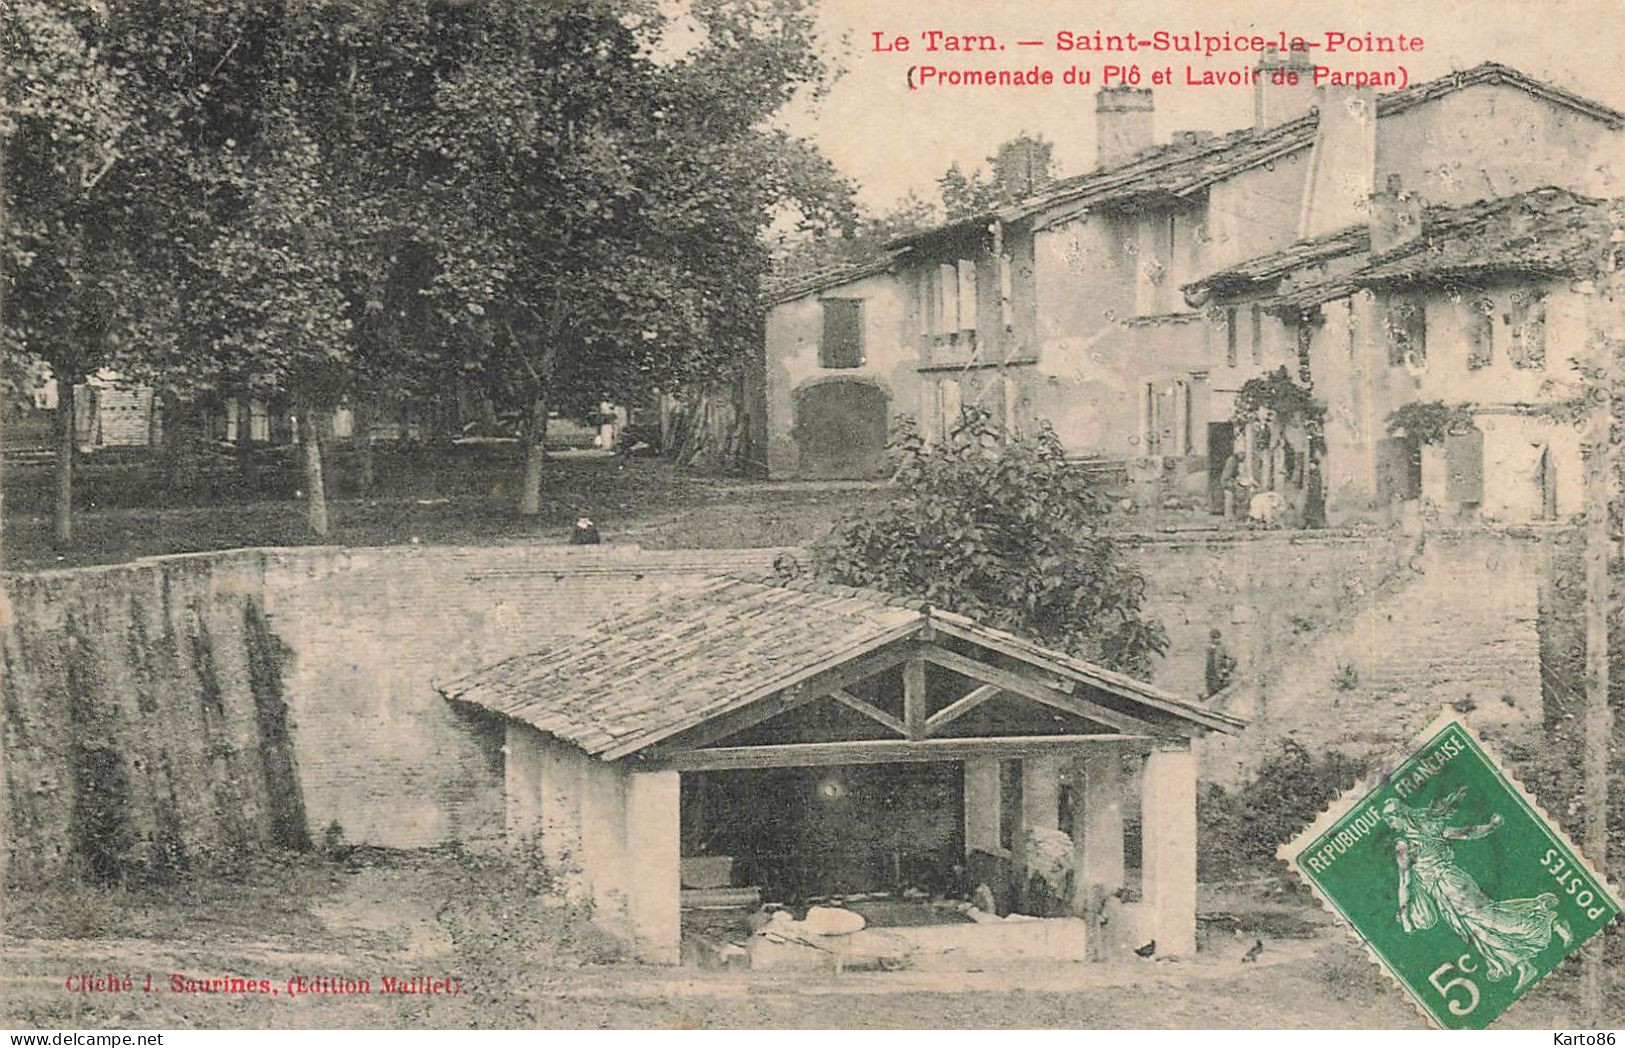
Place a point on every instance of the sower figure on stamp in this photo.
(1506, 934)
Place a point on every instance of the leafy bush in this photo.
(507, 915)
(1429, 422)
(1239, 830)
(1000, 527)
(1277, 395)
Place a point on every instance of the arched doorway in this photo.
(841, 429)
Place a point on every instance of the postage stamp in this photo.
(1461, 887)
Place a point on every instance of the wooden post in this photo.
(914, 709)
(1599, 719)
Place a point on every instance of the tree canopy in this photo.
(999, 526)
(552, 203)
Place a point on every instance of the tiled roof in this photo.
(1176, 170)
(628, 682)
(1547, 231)
(1266, 269)
(776, 290)
(1162, 172)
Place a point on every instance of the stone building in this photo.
(1478, 309)
(1069, 305)
(616, 737)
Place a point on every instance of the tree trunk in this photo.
(530, 491)
(247, 473)
(66, 446)
(182, 437)
(366, 469)
(315, 482)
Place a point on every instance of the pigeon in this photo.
(1253, 951)
(1147, 950)
(585, 533)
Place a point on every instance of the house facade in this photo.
(1071, 306)
(1477, 312)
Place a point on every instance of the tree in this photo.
(1022, 166)
(64, 118)
(233, 194)
(1018, 168)
(863, 241)
(600, 204)
(1001, 528)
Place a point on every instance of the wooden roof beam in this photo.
(873, 712)
(1038, 691)
(884, 751)
(959, 707)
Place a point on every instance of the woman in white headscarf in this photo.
(1431, 885)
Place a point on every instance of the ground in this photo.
(375, 913)
(458, 495)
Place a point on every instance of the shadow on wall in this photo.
(146, 729)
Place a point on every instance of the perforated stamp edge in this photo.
(1363, 788)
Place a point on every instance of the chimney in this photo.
(1342, 165)
(1122, 123)
(1284, 88)
(1396, 217)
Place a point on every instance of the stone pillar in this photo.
(1168, 849)
(1097, 830)
(654, 893)
(561, 771)
(1041, 792)
(604, 861)
(981, 805)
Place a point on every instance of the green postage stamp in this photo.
(1460, 886)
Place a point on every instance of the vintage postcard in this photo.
(811, 514)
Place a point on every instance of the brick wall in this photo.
(185, 710)
(380, 751)
(1353, 643)
(217, 679)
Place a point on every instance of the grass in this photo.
(458, 495)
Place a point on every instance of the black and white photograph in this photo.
(675, 515)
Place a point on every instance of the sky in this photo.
(891, 140)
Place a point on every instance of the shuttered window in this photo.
(1480, 333)
(842, 344)
(1528, 323)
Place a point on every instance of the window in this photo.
(1258, 334)
(947, 301)
(1480, 333)
(1528, 323)
(967, 295)
(842, 343)
(1407, 334)
(1230, 337)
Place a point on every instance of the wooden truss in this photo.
(919, 735)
